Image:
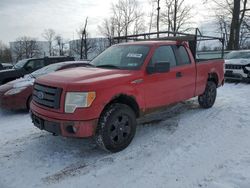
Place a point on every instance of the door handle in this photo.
(178, 75)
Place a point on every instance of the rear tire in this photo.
(207, 99)
(116, 127)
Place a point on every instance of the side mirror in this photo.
(159, 67)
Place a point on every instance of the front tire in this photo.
(207, 99)
(116, 127)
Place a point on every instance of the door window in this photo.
(182, 56)
(163, 54)
(34, 64)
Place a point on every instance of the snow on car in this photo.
(183, 146)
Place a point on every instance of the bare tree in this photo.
(223, 27)
(176, 15)
(108, 29)
(158, 18)
(125, 13)
(49, 35)
(60, 45)
(139, 26)
(5, 53)
(26, 47)
(151, 15)
(84, 45)
(233, 13)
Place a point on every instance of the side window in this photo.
(163, 54)
(34, 64)
(182, 56)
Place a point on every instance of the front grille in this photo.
(47, 96)
(233, 66)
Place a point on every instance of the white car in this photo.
(237, 65)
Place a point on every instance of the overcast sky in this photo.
(31, 17)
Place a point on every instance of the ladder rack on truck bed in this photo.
(192, 39)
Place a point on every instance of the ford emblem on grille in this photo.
(40, 95)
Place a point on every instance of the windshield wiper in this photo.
(108, 66)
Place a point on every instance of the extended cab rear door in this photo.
(185, 72)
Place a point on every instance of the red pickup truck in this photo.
(123, 83)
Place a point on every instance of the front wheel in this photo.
(207, 99)
(116, 127)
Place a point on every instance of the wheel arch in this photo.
(213, 76)
(125, 99)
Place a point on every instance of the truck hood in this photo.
(85, 76)
(237, 61)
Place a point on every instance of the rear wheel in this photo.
(116, 127)
(207, 99)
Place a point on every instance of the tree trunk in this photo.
(85, 46)
(234, 37)
(175, 16)
(81, 46)
(158, 17)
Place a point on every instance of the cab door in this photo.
(161, 89)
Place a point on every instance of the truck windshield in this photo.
(20, 64)
(128, 57)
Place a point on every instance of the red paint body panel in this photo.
(152, 90)
(14, 102)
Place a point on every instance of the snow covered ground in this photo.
(184, 146)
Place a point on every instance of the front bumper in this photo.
(78, 129)
(231, 75)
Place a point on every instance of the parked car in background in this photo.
(237, 65)
(7, 66)
(16, 94)
(27, 66)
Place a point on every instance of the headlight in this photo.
(15, 91)
(78, 100)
